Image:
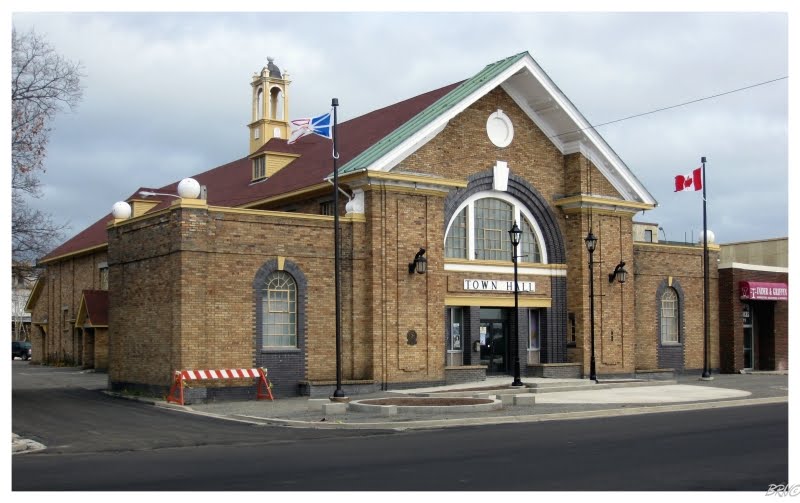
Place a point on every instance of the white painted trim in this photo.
(500, 269)
(535, 117)
(518, 208)
(470, 230)
(492, 131)
(753, 267)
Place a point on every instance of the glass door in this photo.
(534, 343)
(493, 337)
(747, 322)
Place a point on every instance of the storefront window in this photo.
(456, 340)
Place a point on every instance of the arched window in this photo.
(260, 104)
(479, 230)
(669, 317)
(529, 247)
(279, 311)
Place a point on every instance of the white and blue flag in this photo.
(320, 125)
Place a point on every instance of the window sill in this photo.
(671, 344)
(280, 350)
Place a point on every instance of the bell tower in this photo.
(270, 114)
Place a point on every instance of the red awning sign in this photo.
(758, 290)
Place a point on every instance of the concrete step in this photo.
(576, 383)
(555, 387)
(601, 385)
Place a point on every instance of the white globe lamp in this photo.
(709, 236)
(189, 188)
(121, 210)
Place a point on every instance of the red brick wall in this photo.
(731, 323)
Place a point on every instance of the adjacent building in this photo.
(753, 305)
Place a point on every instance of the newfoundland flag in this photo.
(694, 181)
(320, 125)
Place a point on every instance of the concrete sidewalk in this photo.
(580, 399)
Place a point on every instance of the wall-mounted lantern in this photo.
(420, 263)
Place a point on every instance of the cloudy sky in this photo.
(167, 95)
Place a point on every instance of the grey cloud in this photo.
(168, 94)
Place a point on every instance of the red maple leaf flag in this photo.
(690, 182)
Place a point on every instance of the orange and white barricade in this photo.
(181, 376)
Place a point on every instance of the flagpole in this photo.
(706, 368)
(338, 393)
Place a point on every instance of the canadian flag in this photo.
(690, 182)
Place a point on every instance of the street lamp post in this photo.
(515, 233)
(591, 244)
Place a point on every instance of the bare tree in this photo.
(43, 83)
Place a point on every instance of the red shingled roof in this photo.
(96, 306)
(230, 184)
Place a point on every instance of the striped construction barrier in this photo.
(181, 376)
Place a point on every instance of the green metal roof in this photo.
(422, 119)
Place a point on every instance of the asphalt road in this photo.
(96, 442)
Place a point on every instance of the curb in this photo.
(451, 423)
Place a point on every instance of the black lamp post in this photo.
(515, 233)
(591, 244)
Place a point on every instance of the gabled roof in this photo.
(531, 88)
(93, 309)
(35, 292)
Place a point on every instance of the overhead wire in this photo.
(670, 107)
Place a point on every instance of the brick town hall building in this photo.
(243, 276)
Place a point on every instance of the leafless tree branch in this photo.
(43, 83)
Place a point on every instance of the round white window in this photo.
(500, 129)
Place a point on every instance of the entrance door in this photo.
(494, 334)
(747, 323)
(764, 334)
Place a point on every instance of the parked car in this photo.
(21, 349)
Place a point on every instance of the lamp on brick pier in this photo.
(591, 245)
(515, 233)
